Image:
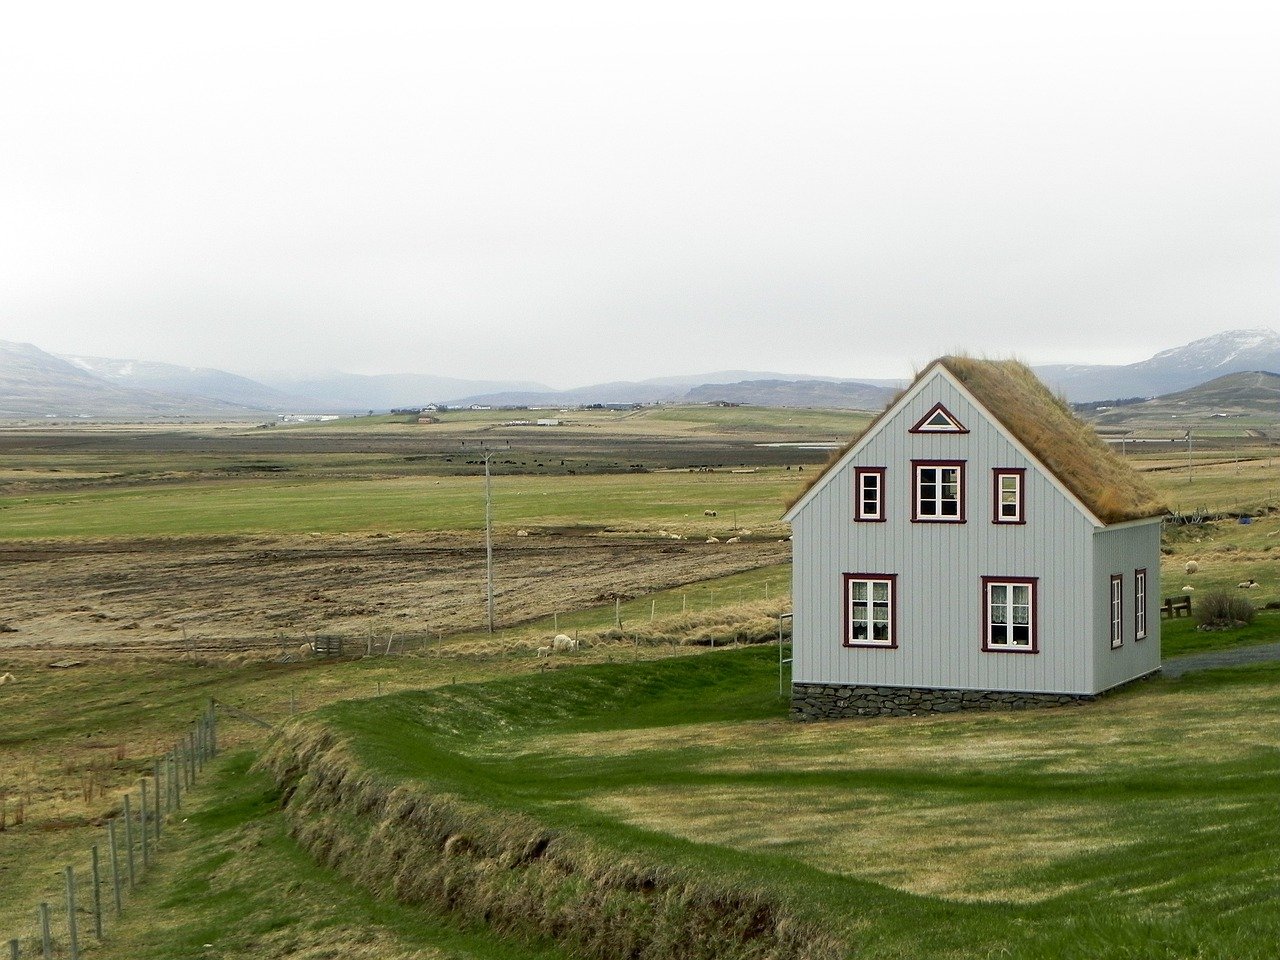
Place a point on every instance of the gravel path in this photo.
(1177, 666)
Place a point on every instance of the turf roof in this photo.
(1070, 450)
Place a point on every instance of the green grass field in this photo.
(1140, 826)
(672, 500)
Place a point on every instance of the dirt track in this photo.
(234, 594)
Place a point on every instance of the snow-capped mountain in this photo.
(203, 382)
(1179, 368)
(34, 383)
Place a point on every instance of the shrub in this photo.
(1222, 609)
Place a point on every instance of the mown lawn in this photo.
(1140, 826)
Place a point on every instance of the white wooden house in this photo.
(978, 546)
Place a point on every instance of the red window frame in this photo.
(859, 514)
(998, 474)
(916, 467)
(1033, 619)
(847, 616)
(1140, 604)
(1116, 610)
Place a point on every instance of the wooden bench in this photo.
(1176, 607)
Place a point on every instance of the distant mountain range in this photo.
(1234, 351)
(1254, 393)
(34, 383)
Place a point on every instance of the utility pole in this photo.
(488, 536)
(1188, 454)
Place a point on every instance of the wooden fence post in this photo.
(128, 842)
(97, 892)
(115, 867)
(46, 938)
(142, 822)
(156, 815)
(73, 931)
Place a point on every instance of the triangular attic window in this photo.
(939, 420)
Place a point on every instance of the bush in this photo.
(1222, 609)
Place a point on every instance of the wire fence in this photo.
(97, 889)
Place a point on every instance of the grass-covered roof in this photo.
(1043, 423)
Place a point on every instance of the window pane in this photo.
(950, 508)
(858, 589)
(999, 593)
(881, 632)
(880, 591)
(1021, 593)
(858, 631)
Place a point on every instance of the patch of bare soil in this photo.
(232, 594)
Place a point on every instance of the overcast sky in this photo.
(574, 192)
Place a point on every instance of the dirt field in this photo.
(236, 594)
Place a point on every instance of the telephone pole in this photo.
(488, 537)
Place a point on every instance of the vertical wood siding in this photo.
(1122, 551)
(940, 567)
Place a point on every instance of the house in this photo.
(977, 546)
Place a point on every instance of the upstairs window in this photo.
(870, 606)
(868, 484)
(1009, 498)
(1117, 610)
(939, 491)
(938, 420)
(1009, 614)
(1139, 604)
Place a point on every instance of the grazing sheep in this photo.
(1191, 566)
(564, 642)
(544, 651)
(8, 678)
(708, 513)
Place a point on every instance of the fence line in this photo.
(59, 932)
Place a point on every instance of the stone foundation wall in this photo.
(821, 701)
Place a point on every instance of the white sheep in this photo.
(1247, 584)
(708, 513)
(1188, 589)
(713, 539)
(307, 649)
(7, 678)
(544, 651)
(1191, 566)
(564, 642)
(734, 540)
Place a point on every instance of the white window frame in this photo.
(1140, 604)
(1117, 610)
(864, 610)
(935, 503)
(990, 607)
(1018, 477)
(861, 476)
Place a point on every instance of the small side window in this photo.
(1117, 610)
(868, 493)
(1008, 495)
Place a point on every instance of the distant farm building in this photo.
(978, 546)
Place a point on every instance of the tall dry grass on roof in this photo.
(1064, 443)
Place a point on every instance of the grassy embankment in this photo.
(1139, 826)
